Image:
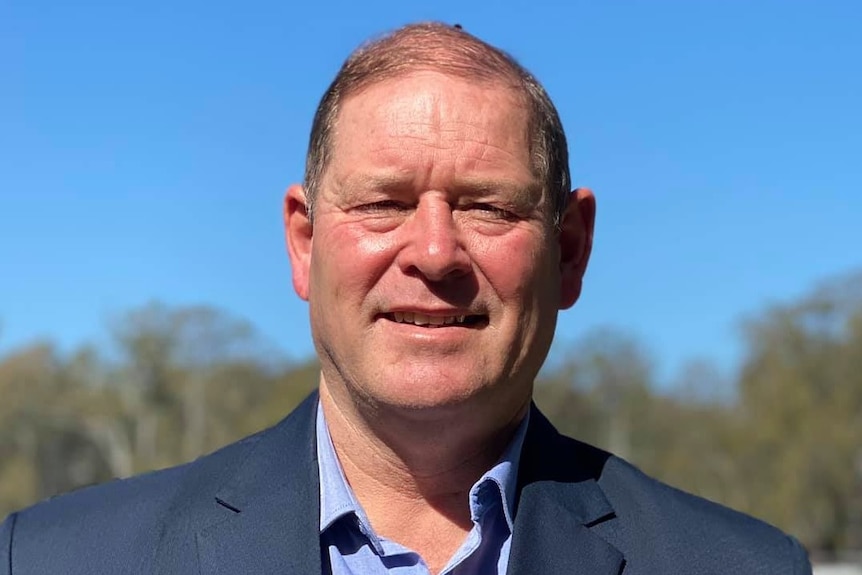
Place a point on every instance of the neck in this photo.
(401, 467)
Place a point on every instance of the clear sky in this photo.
(145, 148)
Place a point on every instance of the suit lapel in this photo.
(269, 511)
(559, 503)
(265, 517)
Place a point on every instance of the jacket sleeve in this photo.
(6, 545)
(801, 563)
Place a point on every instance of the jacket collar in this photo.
(265, 518)
(559, 503)
(269, 509)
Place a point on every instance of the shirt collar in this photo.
(336, 496)
(501, 480)
(337, 499)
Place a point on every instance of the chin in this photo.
(432, 397)
(420, 394)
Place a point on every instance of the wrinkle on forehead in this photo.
(411, 109)
(431, 114)
(426, 122)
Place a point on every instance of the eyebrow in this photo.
(516, 192)
(354, 185)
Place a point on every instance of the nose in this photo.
(434, 248)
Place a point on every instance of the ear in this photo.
(576, 243)
(298, 232)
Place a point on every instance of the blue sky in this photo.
(145, 148)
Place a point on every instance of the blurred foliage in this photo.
(780, 439)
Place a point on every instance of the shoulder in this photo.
(659, 528)
(117, 526)
(675, 528)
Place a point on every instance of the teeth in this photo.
(422, 319)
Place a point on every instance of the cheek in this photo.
(515, 268)
(351, 260)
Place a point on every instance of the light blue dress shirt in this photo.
(349, 545)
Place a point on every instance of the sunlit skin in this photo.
(430, 207)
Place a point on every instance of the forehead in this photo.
(421, 90)
(429, 115)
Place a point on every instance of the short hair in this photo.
(449, 50)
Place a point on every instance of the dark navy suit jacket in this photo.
(253, 508)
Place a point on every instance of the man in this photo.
(435, 239)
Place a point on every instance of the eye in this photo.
(383, 206)
(490, 210)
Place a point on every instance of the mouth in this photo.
(435, 321)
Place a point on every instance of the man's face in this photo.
(432, 269)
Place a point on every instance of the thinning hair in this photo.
(449, 50)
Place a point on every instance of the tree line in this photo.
(781, 438)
